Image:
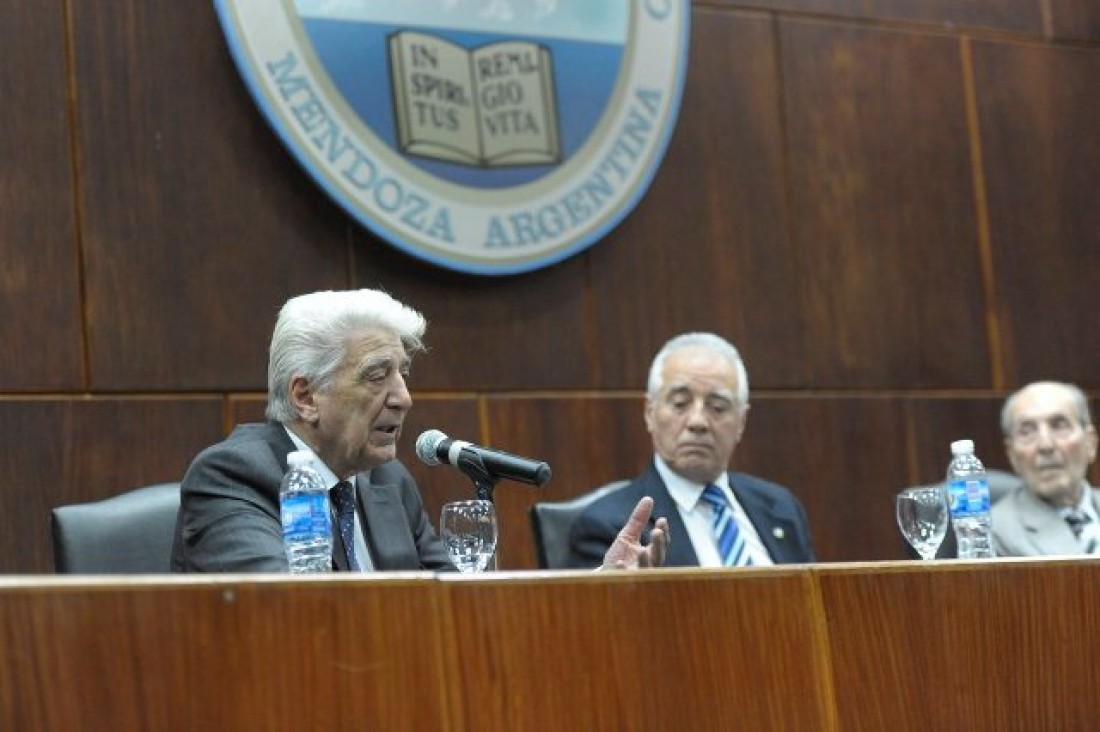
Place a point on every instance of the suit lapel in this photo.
(1045, 528)
(774, 524)
(680, 551)
(387, 527)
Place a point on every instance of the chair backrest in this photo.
(130, 533)
(1001, 483)
(550, 522)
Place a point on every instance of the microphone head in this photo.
(427, 445)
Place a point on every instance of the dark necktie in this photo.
(1077, 520)
(343, 500)
(731, 544)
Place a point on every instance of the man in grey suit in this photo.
(337, 375)
(1050, 441)
(697, 403)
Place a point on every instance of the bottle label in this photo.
(305, 516)
(969, 497)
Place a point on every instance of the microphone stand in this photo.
(484, 481)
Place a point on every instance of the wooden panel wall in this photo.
(61, 450)
(888, 206)
(40, 294)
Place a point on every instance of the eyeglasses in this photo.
(1028, 433)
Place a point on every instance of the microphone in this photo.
(433, 447)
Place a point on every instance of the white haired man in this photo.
(1051, 442)
(696, 407)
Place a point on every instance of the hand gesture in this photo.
(627, 552)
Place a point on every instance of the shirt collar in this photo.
(1084, 505)
(686, 493)
(326, 473)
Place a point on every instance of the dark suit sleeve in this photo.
(229, 513)
(590, 537)
(594, 531)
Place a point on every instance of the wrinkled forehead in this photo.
(372, 346)
(1043, 403)
(699, 372)
(701, 388)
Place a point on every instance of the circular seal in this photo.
(485, 136)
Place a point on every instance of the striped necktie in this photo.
(343, 500)
(731, 544)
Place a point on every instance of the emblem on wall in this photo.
(485, 136)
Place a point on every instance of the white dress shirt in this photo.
(698, 516)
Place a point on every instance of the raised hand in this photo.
(627, 551)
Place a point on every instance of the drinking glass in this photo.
(469, 531)
(922, 517)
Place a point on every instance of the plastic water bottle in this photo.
(968, 493)
(307, 523)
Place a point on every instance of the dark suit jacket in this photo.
(229, 510)
(777, 515)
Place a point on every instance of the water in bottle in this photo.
(968, 493)
(307, 523)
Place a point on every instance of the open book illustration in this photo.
(493, 106)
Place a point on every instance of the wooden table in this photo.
(995, 645)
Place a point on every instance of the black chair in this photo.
(130, 533)
(550, 522)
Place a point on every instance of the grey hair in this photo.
(1080, 403)
(312, 334)
(710, 342)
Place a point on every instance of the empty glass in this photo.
(922, 517)
(469, 531)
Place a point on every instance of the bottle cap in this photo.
(962, 447)
(298, 458)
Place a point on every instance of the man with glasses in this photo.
(1050, 441)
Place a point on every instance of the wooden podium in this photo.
(995, 645)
